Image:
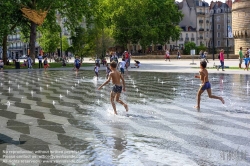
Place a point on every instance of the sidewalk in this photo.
(174, 66)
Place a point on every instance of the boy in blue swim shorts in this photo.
(119, 85)
(205, 84)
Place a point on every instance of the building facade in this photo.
(241, 24)
(221, 26)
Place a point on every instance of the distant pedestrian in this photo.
(45, 64)
(1, 65)
(178, 54)
(108, 70)
(137, 63)
(40, 59)
(240, 57)
(30, 61)
(167, 56)
(221, 57)
(246, 59)
(96, 69)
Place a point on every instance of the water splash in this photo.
(137, 89)
(53, 102)
(68, 91)
(8, 103)
(61, 96)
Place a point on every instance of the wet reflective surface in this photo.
(59, 118)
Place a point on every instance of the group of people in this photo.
(246, 59)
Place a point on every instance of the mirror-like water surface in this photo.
(59, 111)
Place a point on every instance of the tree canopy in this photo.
(146, 22)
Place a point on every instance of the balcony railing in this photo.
(192, 39)
(15, 48)
(186, 39)
(13, 39)
(201, 37)
(201, 13)
(201, 29)
(200, 21)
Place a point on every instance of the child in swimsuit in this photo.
(116, 78)
(205, 84)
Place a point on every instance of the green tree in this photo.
(49, 41)
(82, 45)
(10, 16)
(72, 10)
(188, 47)
(65, 43)
(153, 22)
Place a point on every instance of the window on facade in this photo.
(187, 35)
(218, 43)
(218, 26)
(207, 34)
(192, 35)
(200, 10)
(200, 3)
(218, 18)
(218, 34)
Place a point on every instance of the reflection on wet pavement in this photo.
(61, 114)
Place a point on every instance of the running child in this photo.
(107, 70)
(205, 84)
(246, 59)
(122, 65)
(116, 78)
(45, 64)
(77, 64)
(96, 69)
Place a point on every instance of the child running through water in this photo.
(205, 84)
(96, 69)
(77, 64)
(45, 64)
(117, 88)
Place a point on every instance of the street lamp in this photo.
(213, 32)
(227, 33)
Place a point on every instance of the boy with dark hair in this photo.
(117, 88)
(205, 84)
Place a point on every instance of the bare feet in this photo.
(126, 107)
(197, 107)
(222, 100)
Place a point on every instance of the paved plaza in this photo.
(60, 118)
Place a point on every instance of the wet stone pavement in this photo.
(60, 118)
